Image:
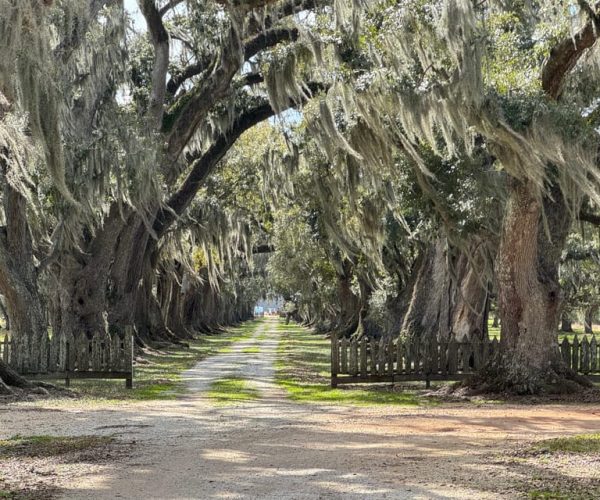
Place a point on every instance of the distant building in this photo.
(268, 306)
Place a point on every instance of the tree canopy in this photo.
(390, 168)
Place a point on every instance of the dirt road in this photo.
(277, 449)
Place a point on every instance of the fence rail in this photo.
(395, 360)
(101, 356)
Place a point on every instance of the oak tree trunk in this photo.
(19, 282)
(349, 303)
(588, 323)
(566, 324)
(529, 293)
(447, 296)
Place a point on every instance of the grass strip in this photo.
(302, 369)
(232, 390)
(160, 376)
(582, 443)
(49, 446)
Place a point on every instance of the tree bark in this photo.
(448, 296)
(4, 313)
(349, 303)
(566, 324)
(529, 293)
(10, 378)
(19, 283)
(82, 279)
(588, 323)
(366, 290)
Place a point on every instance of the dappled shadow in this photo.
(276, 448)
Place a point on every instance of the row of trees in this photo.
(446, 169)
(443, 152)
(107, 137)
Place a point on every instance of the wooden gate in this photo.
(394, 360)
(101, 356)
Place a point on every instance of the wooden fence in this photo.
(393, 360)
(102, 356)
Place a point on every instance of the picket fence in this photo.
(101, 356)
(394, 360)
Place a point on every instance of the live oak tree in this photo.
(513, 77)
(119, 144)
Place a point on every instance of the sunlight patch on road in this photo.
(223, 455)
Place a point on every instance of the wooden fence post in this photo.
(399, 356)
(129, 346)
(585, 356)
(334, 360)
(344, 355)
(381, 358)
(354, 357)
(363, 357)
(565, 350)
(452, 356)
(575, 354)
(373, 349)
(67, 364)
(390, 358)
(594, 355)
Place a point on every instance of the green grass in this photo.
(160, 377)
(577, 330)
(548, 495)
(251, 350)
(49, 446)
(570, 492)
(303, 366)
(232, 390)
(582, 443)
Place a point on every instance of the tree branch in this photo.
(269, 39)
(160, 41)
(286, 9)
(564, 56)
(252, 46)
(203, 164)
(171, 5)
(589, 217)
(266, 248)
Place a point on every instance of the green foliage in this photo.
(580, 272)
